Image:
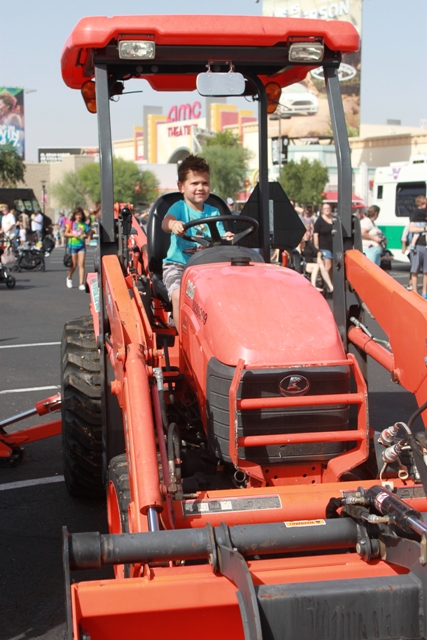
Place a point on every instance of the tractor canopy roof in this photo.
(185, 45)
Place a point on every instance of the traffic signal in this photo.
(285, 145)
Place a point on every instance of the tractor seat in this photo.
(158, 241)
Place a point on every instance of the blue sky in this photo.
(394, 64)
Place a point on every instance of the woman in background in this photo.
(77, 231)
(322, 236)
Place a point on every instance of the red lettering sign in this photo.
(185, 112)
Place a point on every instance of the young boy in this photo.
(194, 184)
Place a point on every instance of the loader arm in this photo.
(401, 314)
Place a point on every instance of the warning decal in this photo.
(195, 507)
(305, 523)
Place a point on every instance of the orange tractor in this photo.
(248, 494)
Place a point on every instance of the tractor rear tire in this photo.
(81, 410)
(118, 498)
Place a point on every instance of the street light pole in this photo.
(43, 196)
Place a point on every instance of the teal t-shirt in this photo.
(181, 250)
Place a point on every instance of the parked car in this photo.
(297, 100)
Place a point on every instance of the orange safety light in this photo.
(89, 95)
(274, 91)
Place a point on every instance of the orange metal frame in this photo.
(9, 441)
(402, 315)
(336, 467)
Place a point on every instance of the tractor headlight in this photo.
(137, 49)
(306, 52)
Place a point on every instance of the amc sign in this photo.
(185, 112)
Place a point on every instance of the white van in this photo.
(395, 190)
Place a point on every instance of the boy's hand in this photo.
(228, 235)
(177, 227)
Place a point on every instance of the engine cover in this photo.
(274, 320)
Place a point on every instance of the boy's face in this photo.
(196, 188)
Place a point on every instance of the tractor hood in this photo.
(264, 314)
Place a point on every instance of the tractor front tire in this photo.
(81, 410)
(118, 498)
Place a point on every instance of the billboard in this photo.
(303, 108)
(56, 154)
(12, 118)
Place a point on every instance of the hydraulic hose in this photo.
(418, 457)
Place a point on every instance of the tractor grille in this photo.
(264, 383)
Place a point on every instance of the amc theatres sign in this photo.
(185, 112)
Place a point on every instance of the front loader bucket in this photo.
(377, 604)
(330, 593)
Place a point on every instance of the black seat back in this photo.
(158, 241)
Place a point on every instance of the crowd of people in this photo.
(73, 231)
(316, 245)
(20, 226)
(76, 230)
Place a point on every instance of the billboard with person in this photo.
(12, 118)
(303, 108)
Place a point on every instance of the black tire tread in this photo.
(81, 410)
(119, 476)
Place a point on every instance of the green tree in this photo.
(70, 192)
(146, 188)
(12, 167)
(90, 179)
(84, 186)
(304, 181)
(130, 184)
(126, 175)
(228, 162)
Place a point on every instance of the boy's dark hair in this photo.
(192, 163)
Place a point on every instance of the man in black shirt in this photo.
(419, 255)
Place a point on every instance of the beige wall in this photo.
(379, 151)
(124, 149)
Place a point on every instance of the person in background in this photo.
(230, 203)
(97, 210)
(25, 223)
(419, 254)
(22, 233)
(62, 223)
(76, 231)
(406, 240)
(322, 236)
(307, 218)
(372, 236)
(37, 226)
(314, 262)
(8, 223)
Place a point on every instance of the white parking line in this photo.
(30, 483)
(33, 344)
(53, 386)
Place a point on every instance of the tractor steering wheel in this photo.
(215, 238)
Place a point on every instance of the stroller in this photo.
(5, 277)
(32, 256)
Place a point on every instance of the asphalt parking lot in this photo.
(32, 512)
(34, 503)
